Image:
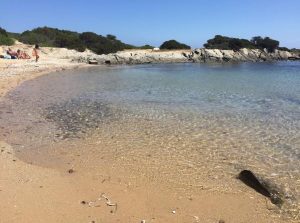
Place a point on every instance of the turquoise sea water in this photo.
(235, 88)
(241, 115)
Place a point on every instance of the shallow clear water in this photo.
(214, 119)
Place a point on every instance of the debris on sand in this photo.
(108, 202)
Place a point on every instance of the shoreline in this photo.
(18, 75)
(54, 195)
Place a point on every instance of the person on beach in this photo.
(1, 56)
(35, 52)
(13, 54)
(22, 55)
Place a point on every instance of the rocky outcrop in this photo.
(251, 55)
(184, 56)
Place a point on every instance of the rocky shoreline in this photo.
(187, 56)
(139, 56)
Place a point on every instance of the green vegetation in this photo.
(49, 37)
(52, 37)
(102, 45)
(4, 38)
(3, 31)
(173, 44)
(284, 49)
(13, 35)
(146, 47)
(228, 43)
(265, 43)
(297, 51)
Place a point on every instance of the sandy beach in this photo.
(14, 72)
(89, 185)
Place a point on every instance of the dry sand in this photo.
(31, 193)
(14, 72)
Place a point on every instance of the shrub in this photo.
(173, 44)
(295, 50)
(5, 39)
(284, 49)
(29, 37)
(70, 41)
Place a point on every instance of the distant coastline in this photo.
(110, 50)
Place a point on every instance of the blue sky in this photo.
(141, 22)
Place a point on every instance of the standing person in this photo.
(35, 52)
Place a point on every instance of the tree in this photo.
(257, 40)
(173, 44)
(52, 37)
(270, 44)
(111, 37)
(235, 44)
(218, 42)
(228, 43)
(265, 43)
(3, 32)
(146, 47)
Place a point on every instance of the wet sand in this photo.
(15, 72)
(109, 177)
(30, 193)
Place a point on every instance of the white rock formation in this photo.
(184, 56)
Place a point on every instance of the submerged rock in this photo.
(261, 186)
(75, 117)
(92, 61)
